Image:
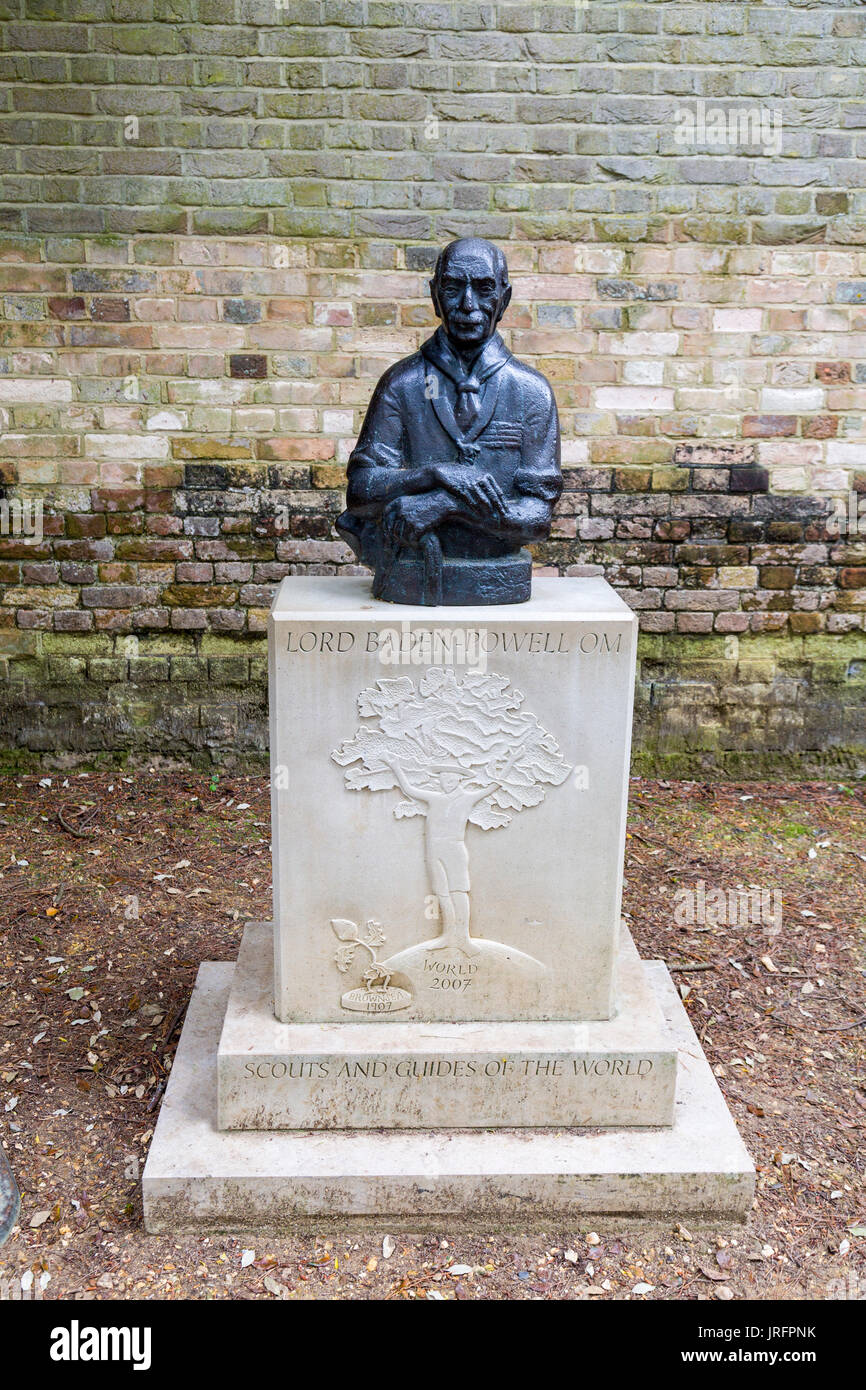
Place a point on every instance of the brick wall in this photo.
(216, 226)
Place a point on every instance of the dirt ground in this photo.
(114, 886)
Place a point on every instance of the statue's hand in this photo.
(406, 519)
(479, 491)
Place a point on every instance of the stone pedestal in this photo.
(512, 727)
(445, 1018)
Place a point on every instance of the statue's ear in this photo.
(506, 300)
(435, 298)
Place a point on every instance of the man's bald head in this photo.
(470, 291)
(476, 248)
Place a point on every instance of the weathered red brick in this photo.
(803, 623)
(67, 307)
(833, 373)
(85, 524)
(109, 309)
(248, 365)
(112, 596)
(778, 577)
(820, 427)
(750, 480)
(768, 426)
(309, 449)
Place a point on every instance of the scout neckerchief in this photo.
(464, 422)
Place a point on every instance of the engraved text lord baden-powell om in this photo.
(457, 467)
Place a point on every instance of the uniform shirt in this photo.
(411, 423)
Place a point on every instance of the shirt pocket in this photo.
(503, 435)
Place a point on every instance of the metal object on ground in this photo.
(10, 1202)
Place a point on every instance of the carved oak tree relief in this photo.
(462, 752)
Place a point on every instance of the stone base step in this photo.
(198, 1178)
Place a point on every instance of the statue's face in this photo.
(468, 296)
(450, 781)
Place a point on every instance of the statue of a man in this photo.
(457, 465)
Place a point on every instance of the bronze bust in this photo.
(457, 466)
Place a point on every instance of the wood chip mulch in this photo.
(114, 886)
